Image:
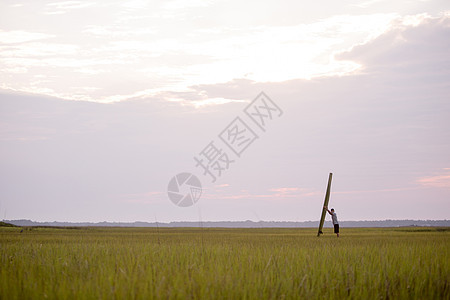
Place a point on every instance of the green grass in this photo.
(4, 224)
(191, 263)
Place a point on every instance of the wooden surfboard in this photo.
(325, 203)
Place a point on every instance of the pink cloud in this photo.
(284, 190)
(374, 191)
(440, 181)
(222, 185)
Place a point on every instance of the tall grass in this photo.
(189, 263)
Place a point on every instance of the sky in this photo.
(103, 103)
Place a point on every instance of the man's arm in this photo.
(328, 210)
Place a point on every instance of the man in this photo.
(334, 219)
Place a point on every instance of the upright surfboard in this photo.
(325, 203)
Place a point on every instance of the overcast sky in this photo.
(103, 102)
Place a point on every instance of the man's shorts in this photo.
(336, 228)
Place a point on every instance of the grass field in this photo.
(195, 263)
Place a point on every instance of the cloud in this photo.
(184, 4)
(38, 52)
(369, 3)
(389, 119)
(63, 7)
(412, 42)
(172, 55)
(413, 49)
(436, 181)
(375, 191)
(222, 185)
(375, 128)
(20, 36)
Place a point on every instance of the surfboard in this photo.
(325, 203)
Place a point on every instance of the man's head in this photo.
(332, 210)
